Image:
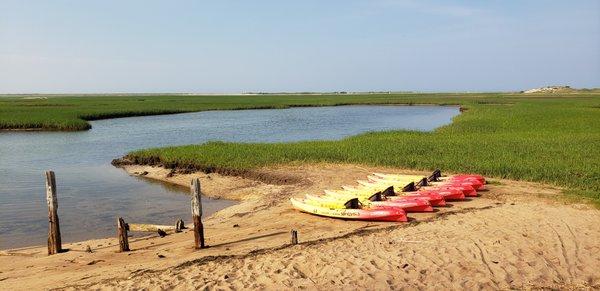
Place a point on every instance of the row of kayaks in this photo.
(388, 197)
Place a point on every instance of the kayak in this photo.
(477, 181)
(409, 205)
(465, 186)
(378, 214)
(423, 181)
(435, 199)
(410, 186)
(437, 174)
(449, 194)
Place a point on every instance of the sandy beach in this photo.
(516, 235)
(300, 145)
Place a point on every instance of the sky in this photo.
(292, 46)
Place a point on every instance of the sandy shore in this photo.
(514, 236)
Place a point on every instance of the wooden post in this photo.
(54, 242)
(294, 237)
(179, 225)
(197, 214)
(122, 234)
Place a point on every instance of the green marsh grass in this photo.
(72, 113)
(553, 138)
(550, 140)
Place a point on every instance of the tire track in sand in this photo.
(564, 252)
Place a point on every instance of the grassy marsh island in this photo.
(72, 112)
(551, 138)
(544, 138)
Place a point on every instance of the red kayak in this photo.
(467, 190)
(476, 181)
(408, 205)
(479, 178)
(470, 182)
(381, 199)
(434, 198)
(426, 183)
(450, 194)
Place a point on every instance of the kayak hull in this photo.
(468, 177)
(408, 205)
(448, 194)
(473, 183)
(467, 190)
(434, 199)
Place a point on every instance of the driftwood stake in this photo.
(179, 225)
(197, 214)
(122, 234)
(54, 242)
(142, 227)
(294, 237)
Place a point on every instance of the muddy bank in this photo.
(261, 175)
(513, 236)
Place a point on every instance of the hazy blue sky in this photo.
(238, 46)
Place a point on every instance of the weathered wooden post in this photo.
(197, 214)
(179, 225)
(122, 234)
(54, 242)
(294, 237)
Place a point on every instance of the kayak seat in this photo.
(389, 191)
(376, 197)
(352, 204)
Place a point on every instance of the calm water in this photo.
(92, 193)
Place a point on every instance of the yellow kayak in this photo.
(337, 201)
(378, 214)
(435, 197)
(381, 185)
(330, 203)
(361, 195)
(409, 205)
